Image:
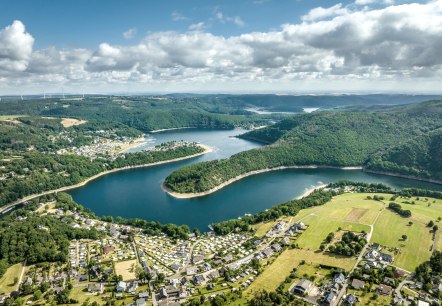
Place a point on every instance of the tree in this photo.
(431, 223)
(435, 228)
(160, 278)
(410, 223)
(404, 237)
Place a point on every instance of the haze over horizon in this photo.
(259, 46)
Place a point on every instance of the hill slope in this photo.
(420, 157)
(324, 138)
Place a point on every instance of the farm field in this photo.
(7, 280)
(390, 227)
(356, 213)
(289, 259)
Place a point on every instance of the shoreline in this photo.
(310, 191)
(172, 129)
(239, 177)
(83, 183)
(410, 177)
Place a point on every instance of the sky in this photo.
(241, 46)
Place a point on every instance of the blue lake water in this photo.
(137, 193)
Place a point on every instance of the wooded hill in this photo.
(338, 139)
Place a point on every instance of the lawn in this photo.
(289, 259)
(7, 280)
(81, 295)
(416, 249)
(126, 269)
(10, 117)
(263, 227)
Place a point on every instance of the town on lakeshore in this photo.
(356, 249)
(221, 153)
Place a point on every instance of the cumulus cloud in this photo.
(129, 34)
(176, 16)
(400, 43)
(321, 13)
(366, 2)
(15, 47)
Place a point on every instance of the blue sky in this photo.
(220, 46)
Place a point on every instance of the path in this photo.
(358, 260)
(21, 275)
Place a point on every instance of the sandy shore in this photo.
(133, 144)
(30, 197)
(172, 129)
(309, 191)
(239, 177)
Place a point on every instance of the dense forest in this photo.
(322, 138)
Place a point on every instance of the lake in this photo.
(137, 193)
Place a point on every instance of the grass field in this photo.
(263, 227)
(81, 295)
(126, 269)
(390, 227)
(7, 280)
(68, 122)
(10, 117)
(289, 259)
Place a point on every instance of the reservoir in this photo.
(137, 193)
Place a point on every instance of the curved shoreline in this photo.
(239, 177)
(410, 177)
(61, 189)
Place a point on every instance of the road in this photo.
(358, 260)
(21, 275)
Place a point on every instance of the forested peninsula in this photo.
(379, 139)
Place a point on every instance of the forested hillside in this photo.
(322, 138)
(420, 157)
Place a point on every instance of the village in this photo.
(129, 267)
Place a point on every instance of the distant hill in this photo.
(322, 138)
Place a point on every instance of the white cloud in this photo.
(197, 26)
(321, 13)
(129, 34)
(331, 47)
(366, 2)
(15, 47)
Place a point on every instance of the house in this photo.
(82, 278)
(386, 257)
(107, 249)
(228, 258)
(375, 246)
(384, 289)
(276, 247)
(303, 286)
(357, 284)
(339, 278)
(172, 291)
(422, 303)
(140, 302)
(121, 286)
(372, 255)
(285, 241)
(133, 287)
(268, 252)
(191, 270)
(95, 288)
(350, 300)
(175, 266)
(329, 298)
(163, 293)
(214, 274)
(198, 279)
(197, 259)
(206, 266)
(144, 294)
(299, 226)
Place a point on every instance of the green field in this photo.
(354, 212)
(7, 280)
(417, 248)
(10, 117)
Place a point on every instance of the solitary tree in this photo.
(404, 237)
